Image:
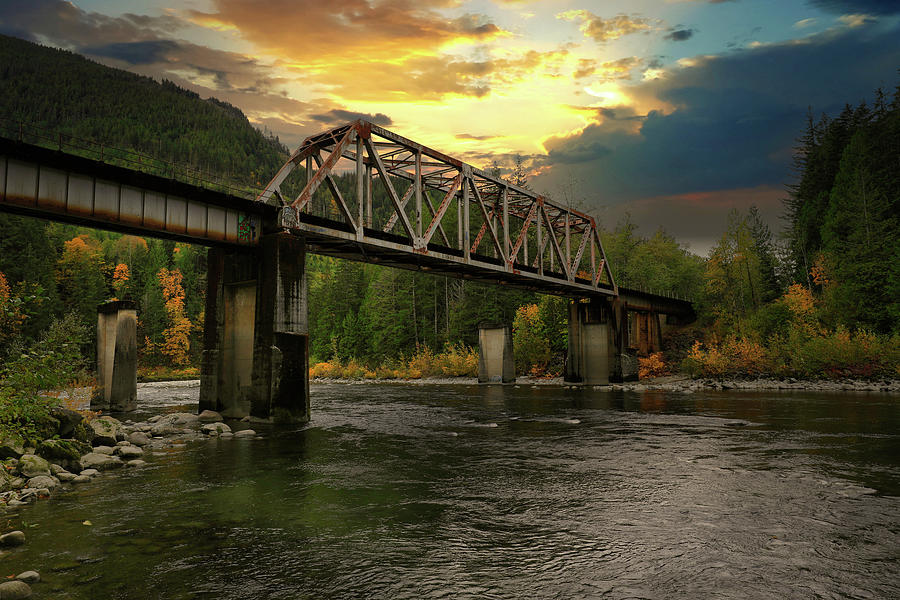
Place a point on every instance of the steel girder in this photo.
(564, 244)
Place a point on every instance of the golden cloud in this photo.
(604, 30)
(312, 32)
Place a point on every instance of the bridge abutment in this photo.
(255, 358)
(495, 354)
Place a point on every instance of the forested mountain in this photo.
(68, 93)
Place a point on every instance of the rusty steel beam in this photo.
(504, 212)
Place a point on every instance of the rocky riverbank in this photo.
(673, 383)
(75, 451)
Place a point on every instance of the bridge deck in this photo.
(51, 184)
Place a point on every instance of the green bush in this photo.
(31, 375)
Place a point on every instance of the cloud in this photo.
(478, 138)
(312, 32)
(64, 24)
(728, 121)
(338, 116)
(708, 213)
(872, 7)
(603, 30)
(680, 35)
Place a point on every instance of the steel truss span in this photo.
(411, 206)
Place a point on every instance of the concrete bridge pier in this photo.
(495, 354)
(591, 343)
(116, 357)
(256, 338)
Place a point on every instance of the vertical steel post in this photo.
(418, 185)
(360, 186)
(506, 225)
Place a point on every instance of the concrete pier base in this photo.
(116, 357)
(256, 358)
(588, 360)
(495, 354)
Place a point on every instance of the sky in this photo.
(672, 112)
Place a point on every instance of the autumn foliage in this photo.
(177, 336)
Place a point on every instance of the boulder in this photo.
(68, 420)
(90, 472)
(83, 433)
(106, 431)
(209, 416)
(32, 466)
(215, 428)
(6, 480)
(136, 463)
(246, 433)
(42, 482)
(101, 462)
(45, 427)
(15, 590)
(65, 453)
(29, 577)
(13, 538)
(12, 446)
(128, 452)
(104, 450)
(65, 476)
(139, 438)
(174, 423)
(81, 479)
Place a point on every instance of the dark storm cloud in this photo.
(338, 116)
(64, 24)
(870, 7)
(680, 35)
(735, 117)
(135, 53)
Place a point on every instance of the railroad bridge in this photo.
(406, 206)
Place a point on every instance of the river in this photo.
(465, 491)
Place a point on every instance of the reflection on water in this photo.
(497, 492)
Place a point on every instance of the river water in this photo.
(457, 491)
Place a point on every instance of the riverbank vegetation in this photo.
(819, 301)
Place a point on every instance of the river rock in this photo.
(15, 590)
(81, 479)
(215, 428)
(101, 462)
(108, 450)
(13, 538)
(66, 453)
(65, 476)
(32, 466)
(245, 433)
(12, 446)
(6, 480)
(106, 431)
(174, 423)
(210, 416)
(136, 463)
(68, 420)
(154, 418)
(29, 576)
(90, 472)
(42, 482)
(128, 452)
(139, 438)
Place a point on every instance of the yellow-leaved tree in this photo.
(177, 336)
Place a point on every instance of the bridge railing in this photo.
(37, 135)
(381, 187)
